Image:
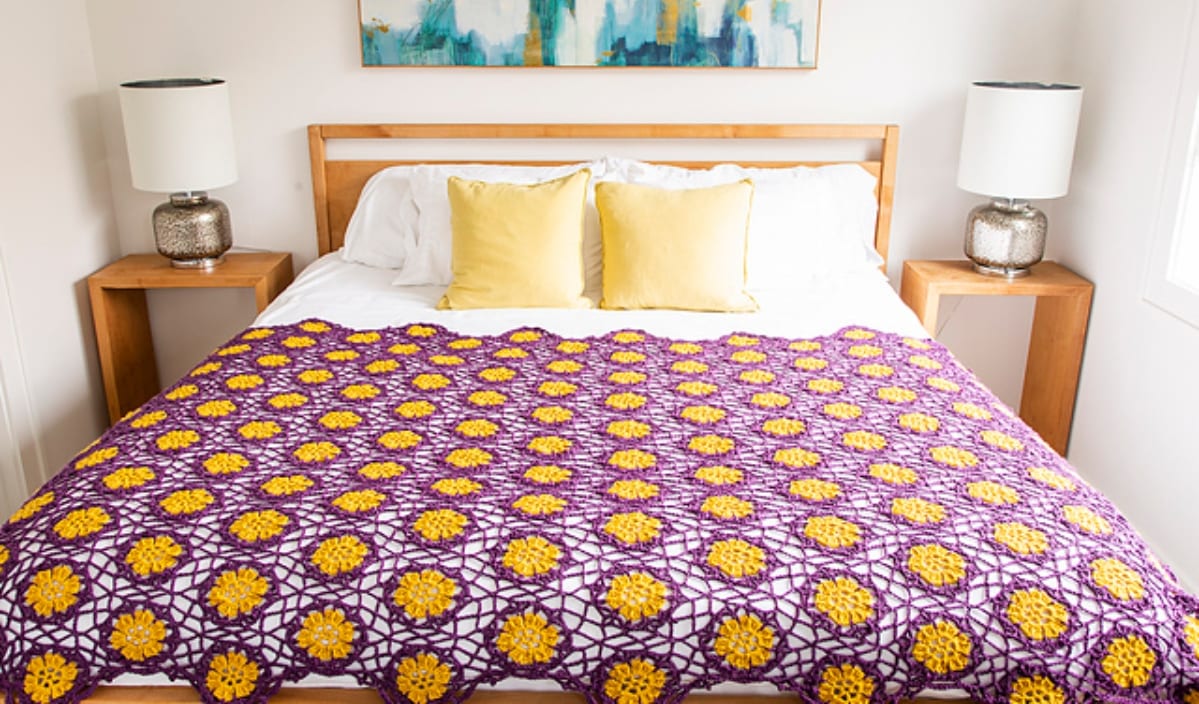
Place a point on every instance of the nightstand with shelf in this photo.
(1059, 330)
(118, 298)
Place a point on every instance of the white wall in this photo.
(56, 228)
(1135, 428)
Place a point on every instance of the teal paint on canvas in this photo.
(734, 33)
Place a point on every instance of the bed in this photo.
(361, 491)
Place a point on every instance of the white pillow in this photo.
(805, 222)
(382, 230)
(429, 262)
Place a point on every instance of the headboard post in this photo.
(320, 188)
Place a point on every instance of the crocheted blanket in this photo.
(851, 517)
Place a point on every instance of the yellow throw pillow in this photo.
(680, 249)
(517, 246)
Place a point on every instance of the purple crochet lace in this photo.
(852, 518)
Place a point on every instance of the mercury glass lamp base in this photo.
(192, 230)
(202, 263)
(1005, 237)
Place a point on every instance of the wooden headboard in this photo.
(336, 184)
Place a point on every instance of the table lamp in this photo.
(1017, 145)
(179, 135)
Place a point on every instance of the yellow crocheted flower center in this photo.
(626, 378)
(440, 524)
(636, 596)
(1190, 632)
(875, 371)
(128, 478)
(1087, 520)
(842, 411)
(245, 382)
(271, 361)
(893, 474)
(924, 362)
(340, 554)
(573, 347)
(770, 399)
(525, 336)
(628, 429)
(153, 555)
(186, 501)
(259, 430)
(685, 348)
(1037, 614)
(863, 441)
(845, 684)
(527, 639)
(453, 360)
(487, 398)
(633, 489)
(317, 451)
(177, 440)
(832, 532)
(510, 353)
(430, 382)
(811, 364)
(719, 475)
(48, 677)
(936, 565)
(825, 386)
(631, 460)
(287, 485)
(283, 401)
(844, 601)
(696, 388)
(756, 376)
(814, 489)
(547, 474)
(382, 470)
(796, 457)
(260, 334)
(254, 526)
(858, 334)
(954, 457)
(942, 648)
(53, 590)
(970, 410)
(895, 394)
(633, 527)
(340, 420)
(627, 357)
(216, 409)
(919, 422)
(1036, 690)
(742, 341)
(137, 636)
(1120, 580)
(744, 642)
(531, 556)
(147, 420)
(314, 376)
(32, 507)
(326, 635)
(804, 346)
(405, 349)
(237, 592)
(918, 510)
(182, 392)
(496, 375)
(747, 357)
(399, 439)
(423, 678)
(206, 368)
(710, 444)
(358, 501)
(1051, 479)
(1021, 539)
(425, 594)
(556, 389)
(864, 351)
(1003, 441)
(784, 427)
(342, 355)
(539, 504)
(549, 445)
(420, 331)
(477, 428)
(625, 401)
(993, 493)
(704, 415)
(465, 343)
(727, 507)
(634, 682)
(457, 486)
(736, 558)
(364, 338)
(1129, 661)
(298, 342)
(82, 522)
(942, 384)
(564, 366)
(231, 676)
(415, 409)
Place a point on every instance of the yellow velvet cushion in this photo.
(680, 249)
(517, 246)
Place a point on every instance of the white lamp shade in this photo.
(1018, 140)
(179, 134)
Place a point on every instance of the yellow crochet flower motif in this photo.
(287, 485)
(1087, 520)
(972, 411)
(566, 366)
(176, 440)
(1190, 632)
(364, 338)
(556, 389)
(82, 523)
(756, 376)
(531, 556)
(317, 451)
(549, 445)
(231, 675)
(633, 489)
(186, 502)
(636, 596)
(832, 532)
(696, 388)
(744, 642)
(936, 565)
(421, 331)
(282, 401)
(425, 594)
(896, 394)
(918, 510)
(430, 382)
(259, 430)
(1038, 615)
(710, 444)
(382, 470)
(1036, 690)
(844, 601)
(360, 392)
(181, 392)
(633, 528)
(942, 647)
(796, 457)
(689, 366)
(954, 457)
(632, 459)
(128, 478)
(326, 635)
(468, 458)
(1129, 661)
(1003, 441)
(456, 486)
(742, 341)
(206, 368)
(440, 524)
(216, 409)
(863, 441)
(784, 427)
(727, 507)
(510, 353)
(258, 334)
(627, 357)
(314, 326)
(137, 636)
(804, 346)
(53, 590)
(399, 439)
(415, 409)
(814, 489)
(737, 558)
(842, 411)
(340, 420)
(237, 592)
(453, 360)
(525, 336)
(627, 337)
(811, 364)
(423, 678)
(48, 677)
(864, 351)
(153, 555)
(628, 429)
(1120, 580)
(919, 422)
(1051, 479)
(704, 415)
(719, 475)
(858, 334)
(4, 557)
(942, 384)
(1021, 539)
(747, 357)
(359, 501)
(496, 375)
(404, 349)
(825, 386)
(340, 554)
(271, 361)
(924, 362)
(893, 474)
(875, 371)
(547, 474)
(476, 428)
(32, 507)
(298, 342)
(341, 355)
(527, 639)
(539, 504)
(573, 347)
(634, 682)
(685, 348)
(845, 684)
(315, 376)
(625, 401)
(993, 493)
(147, 420)
(226, 463)
(466, 343)
(770, 399)
(626, 377)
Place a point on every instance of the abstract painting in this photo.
(692, 33)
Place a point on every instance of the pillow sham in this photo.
(382, 230)
(682, 249)
(517, 246)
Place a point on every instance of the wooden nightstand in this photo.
(1059, 329)
(118, 295)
